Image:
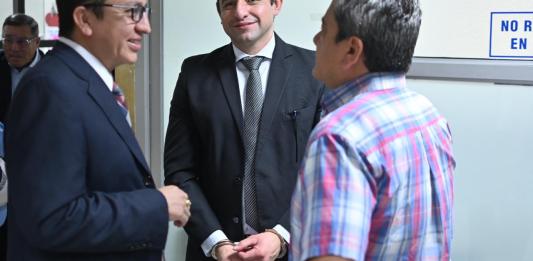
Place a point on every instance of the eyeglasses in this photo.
(22, 42)
(137, 11)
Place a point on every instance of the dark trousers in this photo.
(3, 242)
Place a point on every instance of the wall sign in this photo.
(511, 35)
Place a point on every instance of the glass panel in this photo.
(6, 9)
(45, 13)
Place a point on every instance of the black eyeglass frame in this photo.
(136, 10)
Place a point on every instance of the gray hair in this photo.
(388, 28)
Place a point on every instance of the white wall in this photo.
(189, 28)
(492, 127)
(461, 28)
(6, 9)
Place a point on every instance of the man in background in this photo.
(20, 43)
(376, 182)
(80, 188)
(239, 120)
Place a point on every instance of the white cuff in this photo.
(283, 232)
(211, 241)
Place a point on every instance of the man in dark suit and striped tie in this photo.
(239, 119)
(80, 188)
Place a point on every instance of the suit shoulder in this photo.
(301, 50)
(205, 58)
(302, 53)
(195, 59)
(50, 73)
(50, 66)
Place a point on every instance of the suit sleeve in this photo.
(181, 152)
(46, 155)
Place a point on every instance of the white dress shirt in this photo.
(92, 61)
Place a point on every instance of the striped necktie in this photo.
(118, 94)
(253, 106)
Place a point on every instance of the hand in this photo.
(226, 253)
(264, 246)
(179, 205)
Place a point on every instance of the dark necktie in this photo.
(252, 115)
(118, 94)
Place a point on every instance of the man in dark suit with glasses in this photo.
(80, 187)
(20, 43)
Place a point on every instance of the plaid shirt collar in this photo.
(343, 94)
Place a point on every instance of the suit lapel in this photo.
(228, 78)
(280, 69)
(101, 95)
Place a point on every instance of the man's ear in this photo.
(355, 51)
(276, 5)
(82, 20)
(37, 41)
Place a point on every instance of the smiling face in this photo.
(115, 38)
(249, 23)
(19, 45)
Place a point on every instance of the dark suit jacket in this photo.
(79, 186)
(5, 85)
(204, 145)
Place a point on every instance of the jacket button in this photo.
(236, 220)
(237, 179)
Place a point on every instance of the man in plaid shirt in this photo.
(376, 182)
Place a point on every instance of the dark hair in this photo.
(22, 20)
(388, 29)
(218, 6)
(65, 9)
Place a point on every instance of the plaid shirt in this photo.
(376, 180)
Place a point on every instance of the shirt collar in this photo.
(92, 60)
(343, 94)
(36, 58)
(267, 51)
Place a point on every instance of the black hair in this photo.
(23, 20)
(66, 9)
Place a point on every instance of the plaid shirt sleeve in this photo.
(333, 202)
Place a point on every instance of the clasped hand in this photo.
(262, 247)
(179, 205)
